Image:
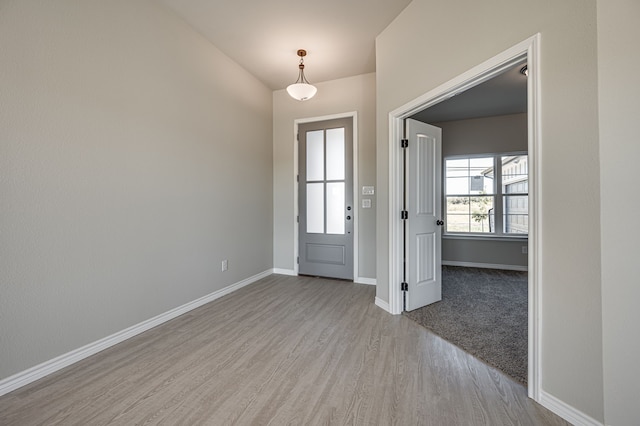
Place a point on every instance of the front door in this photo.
(326, 198)
(423, 256)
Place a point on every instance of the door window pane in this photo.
(315, 155)
(315, 208)
(335, 154)
(335, 208)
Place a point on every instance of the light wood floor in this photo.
(282, 351)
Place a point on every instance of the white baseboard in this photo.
(567, 412)
(368, 281)
(357, 280)
(284, 271)
(41, 370)
(486, 265)
(382, 304)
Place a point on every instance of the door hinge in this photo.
(298, 219)
(298, 137)
(404, 287)
(404, 143)
(297, 178)
(404, 215)
(298, 260)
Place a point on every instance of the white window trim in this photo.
(497, 197)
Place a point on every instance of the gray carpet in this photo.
(484, 312)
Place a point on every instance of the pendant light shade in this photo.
(301, 90)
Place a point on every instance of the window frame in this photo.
(498, 198)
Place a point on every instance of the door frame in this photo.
(356, 200)
(528, 49)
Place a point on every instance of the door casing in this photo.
(356, 199)
(530, 50)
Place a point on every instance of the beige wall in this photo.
(411, 61)
(134, 157)
(334, 97)
(619, 92)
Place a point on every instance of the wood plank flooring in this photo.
(282, 351)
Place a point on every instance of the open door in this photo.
(423, 223)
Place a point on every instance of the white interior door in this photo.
(423, 203)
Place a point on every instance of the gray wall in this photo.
(571, 323)
(497, 254)
(487, 135)
(134, 158)
(619, 91)
(334, 97)
(490, 135)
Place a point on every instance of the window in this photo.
(515, 194)
(487, 195)
(469, 194)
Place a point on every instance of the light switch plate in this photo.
(366, 203)
(368, 190)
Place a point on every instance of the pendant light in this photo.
(301, 90)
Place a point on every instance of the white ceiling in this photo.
(264, 35)
(339, 36)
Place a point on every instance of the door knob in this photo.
(348, 217)
(439, 222)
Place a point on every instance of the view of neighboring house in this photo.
(515, 186)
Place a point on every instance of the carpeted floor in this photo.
(484, 312)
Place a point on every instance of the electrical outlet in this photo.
(225, 265)
(525, 249)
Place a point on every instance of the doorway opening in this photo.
(525, 51)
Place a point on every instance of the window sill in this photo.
(485, 237)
